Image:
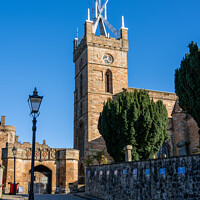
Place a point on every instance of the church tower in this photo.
(100, 72)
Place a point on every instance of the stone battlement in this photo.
(90, 39)
(4, 127)
(25, 153)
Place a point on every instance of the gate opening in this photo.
(42, 180)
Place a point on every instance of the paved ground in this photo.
(43, 197)
(11, 197)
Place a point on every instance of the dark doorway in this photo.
(42, 180)
(81, 176)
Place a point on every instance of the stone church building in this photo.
(101, 72)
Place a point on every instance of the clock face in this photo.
(107, 59)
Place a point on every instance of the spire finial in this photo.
(88, 14)
(35, 92)
(96, 7)
(122, 21)
(105, 12)
(77, 33)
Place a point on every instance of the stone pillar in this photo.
(1, 180)
(68, 162)
(128, 156)
(88, 31)
(75, 43)
(124, 33)
(124, 37)
(3, 120)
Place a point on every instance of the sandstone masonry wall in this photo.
(176, 178)
(1, 180)
(168, 98)
(90, 84)
(7, 135)
(63, 164)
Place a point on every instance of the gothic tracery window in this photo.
(81, 109)
(183, 147)
(164, 150)
(108, 81)
(81, 64)
(81, 141)
(81, 85)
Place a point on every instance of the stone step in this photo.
(84, 196)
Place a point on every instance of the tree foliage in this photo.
(99, 156)
(187, 83)
(132, 118)
(89, 160)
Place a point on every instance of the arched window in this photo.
(81, 109)
(81, 64)
(183, 148)
(81, 140)
(81, 173)
(81, 86)
(108, 81)
(164, 150)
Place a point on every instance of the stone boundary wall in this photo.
(1, 180)
(174, 178)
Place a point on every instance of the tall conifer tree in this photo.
(132, 118)
(187, 83)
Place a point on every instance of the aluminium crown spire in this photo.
(102, 20)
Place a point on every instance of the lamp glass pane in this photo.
(14, 150)
(35, 104)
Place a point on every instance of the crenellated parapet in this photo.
(7, 135)
(101, 41)
(4, 127)
(43, 153)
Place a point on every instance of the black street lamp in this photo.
(34, 104)
(14, 150)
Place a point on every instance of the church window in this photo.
(81, 109)
(108, 81)
(81, 141)
(81, 86)
(81, 64)
(183, 147)
(182, 151)
(76, 95)
(164, 150)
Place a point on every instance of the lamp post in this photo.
(34, 104)
(14, 150)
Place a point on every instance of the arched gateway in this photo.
(42, 180)
(55, 169)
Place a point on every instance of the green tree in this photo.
(89, 160)
(100, 157)
(132, 118)
(187, 83)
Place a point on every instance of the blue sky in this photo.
(36, 45)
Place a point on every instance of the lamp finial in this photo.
(35, 92)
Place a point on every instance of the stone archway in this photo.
(42, 180)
